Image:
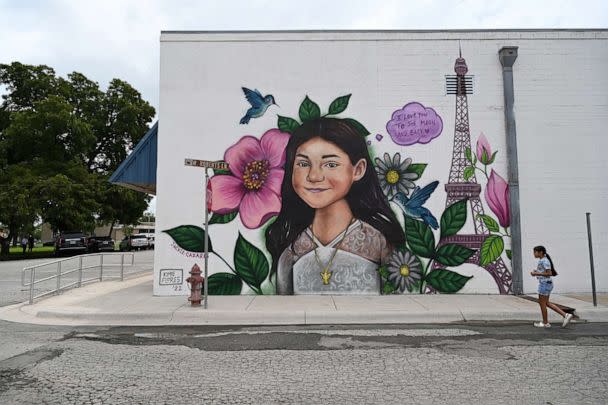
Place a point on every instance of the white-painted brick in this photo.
(561, 108)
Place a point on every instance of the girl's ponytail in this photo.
(553, 272)
(544, 251)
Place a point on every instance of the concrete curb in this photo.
(198, 316)
(131, 303)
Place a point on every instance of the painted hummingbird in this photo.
(412, 206)
(259, 104)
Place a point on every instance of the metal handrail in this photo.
(32, 269)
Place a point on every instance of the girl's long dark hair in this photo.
(544, 251)
(365, 198)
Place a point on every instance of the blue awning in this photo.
(138, 171)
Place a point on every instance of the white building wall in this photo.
(561, 101)
(561, 109)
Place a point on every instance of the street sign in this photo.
(207, 164)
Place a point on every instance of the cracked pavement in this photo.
(497, 363)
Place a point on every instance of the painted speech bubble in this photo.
(414, 123)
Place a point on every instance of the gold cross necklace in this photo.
(326, 274)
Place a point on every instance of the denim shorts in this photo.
(545, 287)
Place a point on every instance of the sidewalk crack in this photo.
(174, 311)
(463, 317)
(334, 302)
(250, 302)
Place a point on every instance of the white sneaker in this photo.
(567, 320)
(542, 325)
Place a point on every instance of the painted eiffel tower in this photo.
(458, 188)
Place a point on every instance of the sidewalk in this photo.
(131, 303)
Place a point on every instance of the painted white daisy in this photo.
(404, 270)
(393, 174)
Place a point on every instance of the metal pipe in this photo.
(507, 56)
(32, 279)
(591, 259)
(80, 271)
(205, 281)
(60, 273)
(122, 267)
(58, 278)
(23, 276)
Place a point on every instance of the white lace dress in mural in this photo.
(354, 266)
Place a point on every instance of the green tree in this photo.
(121, 205)
(60, 140)
(17, 205)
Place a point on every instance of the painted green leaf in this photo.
(222, 218)
(220, 171)
(453, 254)
(468, 172)
(490, 223)
(509, 254)
(250, 263)
(309, 110)
(224, 284)
(493, 157)
(454, 218)
(420, 238)
(338, 105)
(415, 286)
(417, 168)
(383, 271)
(388, 288)
(189, 237)
(467, 153)
(484, 156)
(446, 281)
(358, 126)
(287, 124)
(491, 249)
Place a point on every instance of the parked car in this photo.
(150, 237)
(134, 242)
(100, 244)
(70, 242)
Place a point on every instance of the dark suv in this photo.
(100, 244)
(70, 242)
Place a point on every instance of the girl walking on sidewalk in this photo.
(544, 272)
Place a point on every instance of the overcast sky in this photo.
(120, 38)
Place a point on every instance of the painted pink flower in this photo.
(484, 151)
(497, 196)
(254, 188)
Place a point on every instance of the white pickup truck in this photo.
(150, 236)
(134, 242)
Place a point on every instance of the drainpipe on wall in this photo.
(507, 56)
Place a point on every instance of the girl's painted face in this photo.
(323, 173)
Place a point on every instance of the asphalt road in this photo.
(494, 364)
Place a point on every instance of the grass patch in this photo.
(40, 249)
(38, 252)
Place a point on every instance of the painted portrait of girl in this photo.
(335, 226)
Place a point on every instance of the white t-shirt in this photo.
(543, 265)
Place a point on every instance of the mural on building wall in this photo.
(259, 104)
(414, 123)
(335, 218)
